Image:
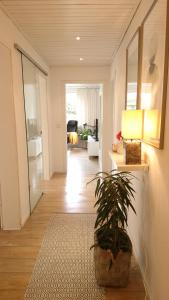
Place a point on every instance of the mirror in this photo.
(154, 73)
(133, 73)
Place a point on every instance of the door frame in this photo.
(101, 116)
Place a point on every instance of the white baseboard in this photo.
(11, 228)
(146, 285)
(25, 220)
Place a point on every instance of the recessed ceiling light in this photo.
(81, 58)
(78, 38)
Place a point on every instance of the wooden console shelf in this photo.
(119, 164)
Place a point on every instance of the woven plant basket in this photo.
(115, 274)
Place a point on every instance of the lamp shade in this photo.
(132, 124)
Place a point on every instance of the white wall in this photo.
(8, 36)
(59, 77)
(8, 151)
(150, 228)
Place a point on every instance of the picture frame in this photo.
(154, 73)
(133, 71)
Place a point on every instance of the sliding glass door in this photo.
(33, 128)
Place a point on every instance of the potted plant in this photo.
(83, 133)
(112, 247)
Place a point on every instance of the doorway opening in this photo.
(83, 123)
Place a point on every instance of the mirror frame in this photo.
(160, 142)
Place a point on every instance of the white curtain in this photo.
(87, 105)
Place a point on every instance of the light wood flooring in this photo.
(68, 194)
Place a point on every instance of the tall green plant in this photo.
(114, 194)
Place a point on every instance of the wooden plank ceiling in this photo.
(53, 25)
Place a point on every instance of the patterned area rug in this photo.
(64, 267)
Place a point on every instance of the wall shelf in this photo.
(119, 164)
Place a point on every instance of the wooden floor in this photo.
(18, 249)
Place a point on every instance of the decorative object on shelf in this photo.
(118, 147)
(133, 72)
(119, 136)
(114, 147)
(120, 143)
(132, 130)
(155, 72)
(113, 247)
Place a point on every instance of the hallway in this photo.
(68, 194)
(122, 46)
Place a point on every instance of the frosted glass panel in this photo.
(34, 131)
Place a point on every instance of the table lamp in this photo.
(132, 132)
